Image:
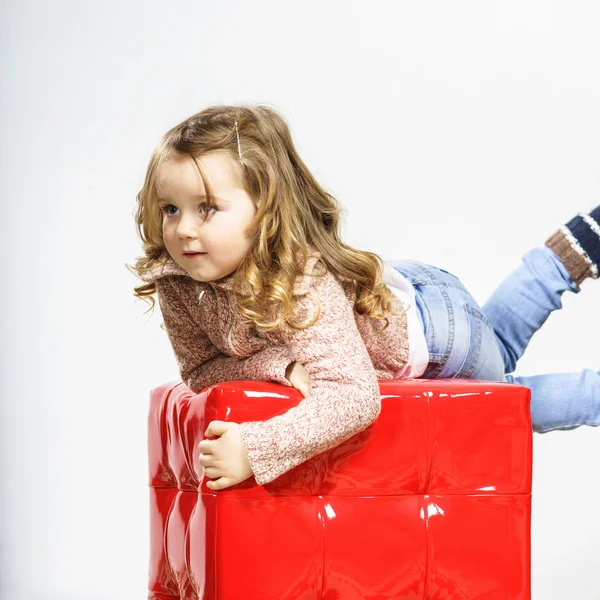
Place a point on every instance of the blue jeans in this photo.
(467, 341)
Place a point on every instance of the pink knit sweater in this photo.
(339, 352)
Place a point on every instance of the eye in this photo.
(165, 208)
(203, 206)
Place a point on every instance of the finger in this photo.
(216, 428)
(206, 460)
(212, 472)
(206, 447)
(219, 484)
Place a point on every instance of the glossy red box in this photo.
(432, 501)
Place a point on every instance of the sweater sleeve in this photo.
(344, 396)
(201, 363)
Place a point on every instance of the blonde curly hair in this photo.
(293, 213)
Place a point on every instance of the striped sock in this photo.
(577, 244)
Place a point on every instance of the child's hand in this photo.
(296, 374)
(224, 460)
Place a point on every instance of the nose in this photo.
(187, 227)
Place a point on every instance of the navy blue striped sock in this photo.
(577, 244)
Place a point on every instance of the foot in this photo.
(577, 244)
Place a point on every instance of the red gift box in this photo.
(432, 501)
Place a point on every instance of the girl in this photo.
(241, 245)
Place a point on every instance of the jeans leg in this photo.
(563, 400)
(523, 301)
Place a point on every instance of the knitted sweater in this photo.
(339, 352)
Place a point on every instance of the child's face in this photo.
(221, 236)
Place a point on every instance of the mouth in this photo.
(194, 254)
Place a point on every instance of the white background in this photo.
(457, 133)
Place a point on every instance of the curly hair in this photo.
(294, 213)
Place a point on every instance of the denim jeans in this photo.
(473, 342)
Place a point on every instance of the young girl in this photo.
(241, 245)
